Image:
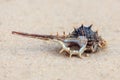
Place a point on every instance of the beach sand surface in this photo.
(24, 58)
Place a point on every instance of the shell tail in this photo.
(38, 36)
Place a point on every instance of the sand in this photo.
(32, 59)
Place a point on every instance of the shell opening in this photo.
(73, 46)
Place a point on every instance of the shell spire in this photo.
(90, 26)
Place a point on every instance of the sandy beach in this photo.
(24, 58)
